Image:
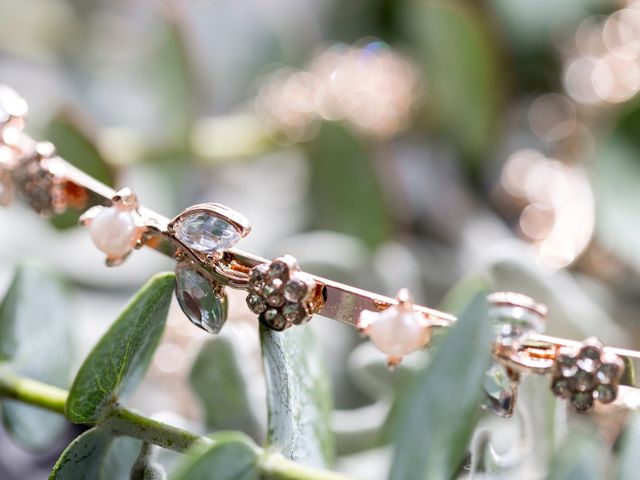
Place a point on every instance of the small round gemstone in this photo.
(583, 381)
(589, 358)
(607, 372)
(276, 299)
(582, 401)
(258, 276)
(566, 364)
(278, 269)
(295, 290)
(268, 290)
(273, 319)
(294, 313)
(255, 303)
(606, 393)
(561, 387)
(205, 232)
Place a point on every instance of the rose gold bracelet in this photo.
(202, 240)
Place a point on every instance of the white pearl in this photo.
(114, 231)
(398, 331)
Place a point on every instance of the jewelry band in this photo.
(202, 239)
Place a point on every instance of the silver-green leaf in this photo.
(35, 316)
(231, 456)
(83, 457)
(121, 357)
(629, 465)
(298, 396)
(580, 457)
(437, 415)
(218, 381)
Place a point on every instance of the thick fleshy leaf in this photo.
(83, 457)
(618, 174)
(298, 396)
(119, 459)
(457, 55)
(119, 360)
(232, 456)
(76, 146)
(345, 192)
(437, 415)
(528, 24)
(629, 465)
(35, 316)
(580, 457)
(171, 78)
(218, 381)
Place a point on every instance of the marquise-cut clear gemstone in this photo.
(199, 302)
(511, 323)
(205, 232)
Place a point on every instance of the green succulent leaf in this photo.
(35, 319)
(119, 459)
(75, 145)
(345, 191)
(580, 457)
(121, 357)
(232, 456)
(171, 78)
(437, 415)
(298, 396)
(218, 381)
(617, 176)
(457, 56)
(629, 459)
(83, 457)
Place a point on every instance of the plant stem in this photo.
(32, 392)
(274, 465)
(125, 422)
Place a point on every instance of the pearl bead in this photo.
(398, 331)
(114, 231)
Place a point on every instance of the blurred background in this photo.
(387, 144)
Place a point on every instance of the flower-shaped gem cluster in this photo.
(586, 374)
(280, 293)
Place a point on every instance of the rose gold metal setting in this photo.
(514, 299)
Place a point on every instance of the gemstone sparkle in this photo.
(206, 232)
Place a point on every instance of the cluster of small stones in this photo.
(280, 293)
(586, 374)
(37, 184)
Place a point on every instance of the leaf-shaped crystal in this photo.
(198, 300)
